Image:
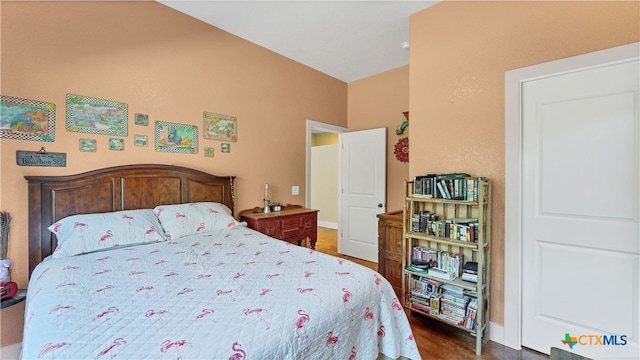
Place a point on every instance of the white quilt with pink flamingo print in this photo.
(230, 294)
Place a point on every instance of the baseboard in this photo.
(10, 352)
(496, 334)
(327, 224)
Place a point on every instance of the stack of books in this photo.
(470, 271)
(444, 261)
(470, 317)
(454, 306)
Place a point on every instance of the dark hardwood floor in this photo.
(436, 340)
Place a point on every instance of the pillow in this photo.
(79, 234)
(195, 218)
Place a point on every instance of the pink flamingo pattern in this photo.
(303, 319)
(185, 291)
(50, 348)
(168, 345)
(105, 288)
(331, 341)
(110, 310)
(56, 227)
(239, 354)
(82, 226)
(107, 350)
(368, 315)
(353, 353)
(204, 313)
(152, 230)
(396, 304)
(65, 285)
(257, 311)
(152, 313)
(58, 308)
(329, 282)
(312, 291)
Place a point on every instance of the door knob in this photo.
(380, 205)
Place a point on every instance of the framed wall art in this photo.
(140, 140)
(116, 144)
(225, 148)
(25, 119)
(96, 116)
(176, 138)
(219, 127)
(88, 145)
(209, 152)
(142, 119)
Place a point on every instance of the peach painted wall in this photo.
(379, 101)
(460, 51)
(171, 67)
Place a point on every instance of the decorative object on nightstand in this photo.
(267, 199)
(292, 223)
(7, 288)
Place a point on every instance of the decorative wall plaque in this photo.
(41, 158)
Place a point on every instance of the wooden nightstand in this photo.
(292, 224)
(390, 248)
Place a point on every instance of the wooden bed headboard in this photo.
(116, 188)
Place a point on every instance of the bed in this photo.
(148, 262)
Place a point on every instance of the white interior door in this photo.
(362, 191)
(580, 211)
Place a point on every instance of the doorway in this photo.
(527, 173)
(314, 129)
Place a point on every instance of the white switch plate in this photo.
(295, 190)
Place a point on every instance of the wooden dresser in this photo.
(390, 248)
(292, 224)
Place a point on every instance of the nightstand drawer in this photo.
(291, 224)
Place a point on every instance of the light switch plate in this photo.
(295, 190)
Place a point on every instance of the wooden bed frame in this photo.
(116, 188)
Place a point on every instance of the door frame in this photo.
(511, 334)
(316, 126)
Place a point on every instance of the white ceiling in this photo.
(348, 40)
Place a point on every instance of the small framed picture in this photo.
(140, 140)
(225, 148)
(116, 144)
(176, 138)
(88, 145)
(142, 119)
(209, 152)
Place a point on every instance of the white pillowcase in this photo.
(78, 234)
(194, 218)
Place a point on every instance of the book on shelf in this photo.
(469, 278)
(448, 302)
(420, 306)
(435, 304)
(444, 261)
(470, 271)
(441, 274)
(423, 186)
(451, 186)
(417, 270)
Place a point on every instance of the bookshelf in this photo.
(442, 232)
